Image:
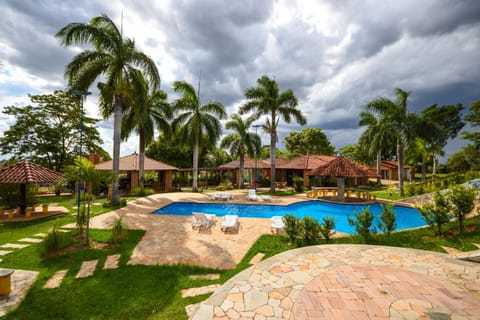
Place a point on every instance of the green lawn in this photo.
(153, 292)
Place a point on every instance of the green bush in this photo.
(293, 228)
(225, 185)
(462, 200)
(410, 189)
(419, 189)
(436, 214)
(298, 184)
(139, 192)
(326, 228)
(119, 231)
(311, 231)
(363, 223)
(388, 219)
(265, 183)
(52, 242)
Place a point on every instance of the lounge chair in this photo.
(277, 224)
(203, 220)
(252, 195)
(266, 198)
(229, 222)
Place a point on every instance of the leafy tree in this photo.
(114, 58)
(266, 99)
(168, 149)
(395, 120)
(311, 230)
(355, 152)
(149, 109)
(48, 131)
(474, 119)
(308, 141)
(388, 219)
(293, 227)
(462, 200)
(436, 214)
(418, 153)
(194, 119)
(241, 142)
(363, 223)
(464, 160)
(326, 228)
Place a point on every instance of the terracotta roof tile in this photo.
(130, 163)
(308, 162)
(28, 172)
(342, 167)
(249, 164)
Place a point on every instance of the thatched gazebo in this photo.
(24, 172)
(341, 168)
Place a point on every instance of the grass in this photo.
(388, 194)
(154, 292)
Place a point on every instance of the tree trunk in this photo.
(242, 169)
(273, 140)
(434, 169)
(141, 161)
(401, 172)
(117, 128)
(379, 167)
(195, 164)
(424, 171)
(341, 188)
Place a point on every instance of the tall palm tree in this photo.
(148, 108)
(117, 60)
(194, 119)
(399, 122)
(241, 142)
(266, 99)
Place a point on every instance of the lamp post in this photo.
(82, 94)
(256, 158)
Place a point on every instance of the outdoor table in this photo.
(5, 275)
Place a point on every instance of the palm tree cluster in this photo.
(130, 91)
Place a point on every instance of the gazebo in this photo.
(24, 172)
(341, 168)
(130, 164)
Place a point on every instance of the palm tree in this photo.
(241, 142)
(266, 99)
(398, 122)
(149, 108)
(193, 120)
(116, 59)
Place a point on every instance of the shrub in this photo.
(119, 231)
(225, 185)
(388, 219)
(462, 200)
(436, 214)
(311, 231)
(419, 189)
(53, 242)
(363, 223)
(139, 192)
(293, 227)
(298, 184)
(326, 228)
(265, 183)
(410, 189)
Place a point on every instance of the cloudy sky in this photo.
(335, 55)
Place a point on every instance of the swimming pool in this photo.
(406, 217)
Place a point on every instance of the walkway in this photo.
(350, 282)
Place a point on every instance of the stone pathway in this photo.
(450, 250)
(14, 245)
(31, 240)
(4, 252)
(192, 292)
(87, 269)
(257, 258)
(40, 235)
(209, 276)
(55, 280)
(350, 282)
(112, 262)
(21, 281)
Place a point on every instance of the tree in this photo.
(394, 119)
(355, 152)
(474, 119)
(148, 109)
(117, 60)
(388, 219)
(241, 142)
(48, 131)
(466, 159)
(266, 99)
(194, 119)
(363, 223)
(418, 152)
(308, 141)
(326, 228)
(436, 214)
(462, 200)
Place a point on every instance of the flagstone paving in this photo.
(40, 235)
(55, 280)
(192, 292)
(31, 240)
(112, 261)
(350, 282)
(209, 276)
(20, 282)
(257, 258)
(4, 252)
(87, 269)
(14, 245)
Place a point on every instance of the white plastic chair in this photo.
(203, 220)
(277, 224)
(252, 195)
(229, 222)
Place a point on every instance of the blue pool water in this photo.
(406, 217)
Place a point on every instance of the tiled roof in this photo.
(308, 162)
(249, 164)
(393, 164)
(28, 172)
(342, 167)
(130, 163)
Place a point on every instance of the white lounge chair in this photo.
(266, 198)
(252, 195)
(229, 222)
(277, 224)
(203, 220)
